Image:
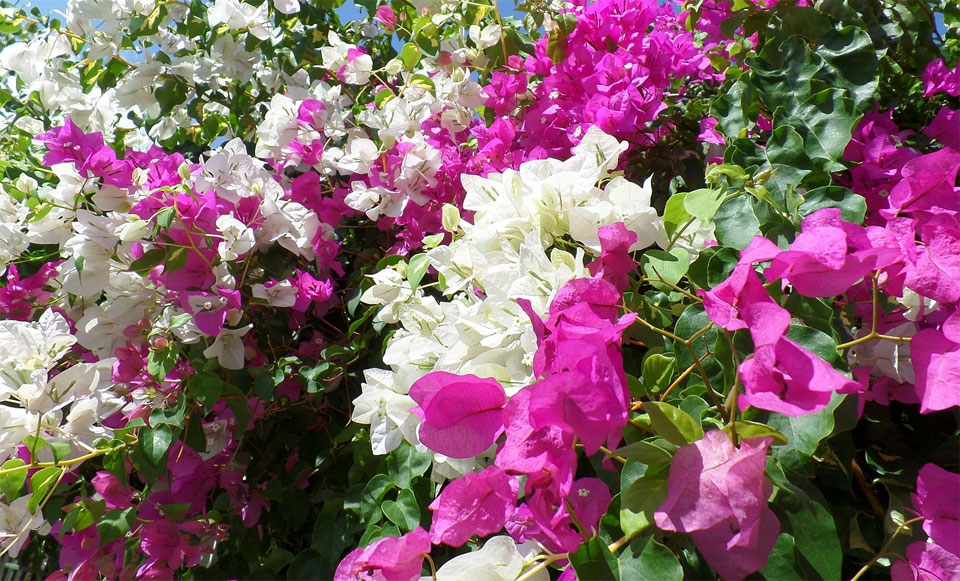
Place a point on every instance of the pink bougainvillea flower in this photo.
(943, 128)
(709, 133)
(545, 454)
(784, 377)
(477, 504)
(115, 493)
(386, 16)
(938, 500)
(928, 183)
(742, 302)
(935, 272)
(545, 517)
(390, 559)
(937, 78)
(462, 414)
(719, 493)
(829, 256)
(615, 263)
(926, 562)
(936, 365)
(588, 401)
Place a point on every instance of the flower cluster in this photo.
(626, 289)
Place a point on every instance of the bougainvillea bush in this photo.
(422, 289)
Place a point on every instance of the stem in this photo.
(65, 463)
(884, 548)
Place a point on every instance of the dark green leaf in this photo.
(594, 561)
(206, 387)
(155, 442)
(852, 206)
(648, 560)
(405, 512)
(782, 562)
(115, 524)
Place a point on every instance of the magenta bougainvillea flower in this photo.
(390, 559)
(936, 364)
(587, 401)
(462, 414)
(828, 257)
(938, 500)
(784, 377)
(719, 493)
(926, 562)
(545, 453)
(615, 263)
(477, 504)
(937, 78)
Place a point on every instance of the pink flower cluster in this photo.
(619, 68)
(583, 396)
(911, 244)
(937, 500)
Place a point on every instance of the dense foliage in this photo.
(625, 289)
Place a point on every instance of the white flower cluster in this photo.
(41, 398)
(66, 405)
(515, 248)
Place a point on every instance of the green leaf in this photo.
(115, 524)
(164, 220)
(237, 401)
(307, 566)
(557, 38)
(34, 444)
(161, 361)
(410, 55)
(853, 61)
(703, 203)
(658, 371)
(175, 260)
(60, 450)
(206, 387)
(383, 96)
(666, 266)
(372, 496)
(40, 484)
(422, 81)
(416, 269)
(150, 258)
(748, 429)
(641, 498)
(852, 206)
(193, 434)
(648, 560)
(405, 512)
(815, 534)
(155, 442)
(804, 434)
(782, 562)
(825, 121)
(645, 453)
(735, 222)
(821, 344)
(594, 561)
(674, 213)
(673, 424)
(12, 482)
(406, 464)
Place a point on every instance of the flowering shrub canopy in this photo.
(623, 289)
